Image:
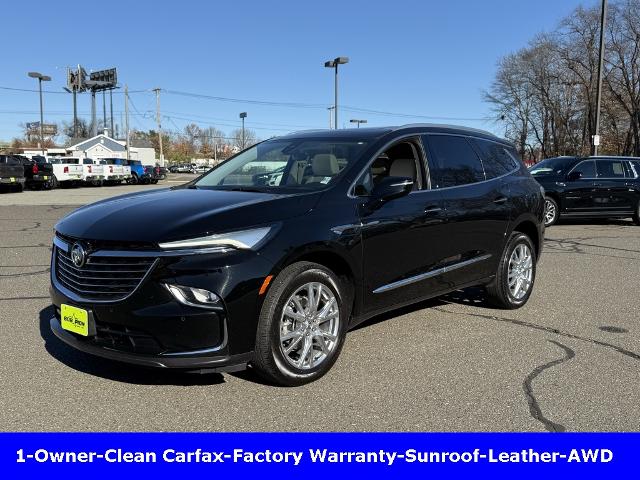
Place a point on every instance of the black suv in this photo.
(590, 187)
(268, 259)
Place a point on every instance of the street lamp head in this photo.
(35, 75)
(329, 64)
(243, 115)
(45, 78)
(341, 60)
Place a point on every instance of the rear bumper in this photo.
(11, 180)
(226, 363)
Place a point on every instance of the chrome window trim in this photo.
(430, 274)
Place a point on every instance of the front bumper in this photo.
(226, 363)
(150, 327)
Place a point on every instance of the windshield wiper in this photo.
(245, 189)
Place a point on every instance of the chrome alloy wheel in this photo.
(549, 212)
(309, 326)
(520, 271)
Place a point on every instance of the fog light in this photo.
(195, 297)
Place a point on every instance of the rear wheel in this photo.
(134, 179)
(512, 286)
(551, 211)
(154, 181)
(302, 325)
(54, 182)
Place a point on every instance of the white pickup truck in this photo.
(66, 170)
(115, 171)
(93, 172)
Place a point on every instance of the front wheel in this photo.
(512, 286)
(133, 180)
(551, 211)
(302, 325)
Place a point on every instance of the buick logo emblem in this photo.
(78, 255)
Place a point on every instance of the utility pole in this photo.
(94, 121)
(75, 114)
(603, 21)
(104, 110)
(126, 116)
(111, 107)
(157, 90)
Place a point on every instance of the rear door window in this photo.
(453, 161)
(611, 169)
(496, 159)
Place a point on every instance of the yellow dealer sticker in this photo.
(74, 319)
(12, 179)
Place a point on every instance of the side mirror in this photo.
(573, 176)
(390, 188)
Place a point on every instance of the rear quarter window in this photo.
(496, 158)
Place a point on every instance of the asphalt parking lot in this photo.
(569, 360)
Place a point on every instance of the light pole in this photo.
(330, 116)
(243, 115)
(41, 78)
(353, 120)
(603, 21)
(334, 64)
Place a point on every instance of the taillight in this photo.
(89, 168)
(35, 169)
(66, 170)
(158, 170)
(110, 168)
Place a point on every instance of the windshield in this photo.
(552, 166)
(297, 164)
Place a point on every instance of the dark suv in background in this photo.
(268, 259)
(589, 187)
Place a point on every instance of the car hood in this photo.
(174, 214)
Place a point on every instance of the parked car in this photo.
(152, 174)
(67, 171)
(162, 172)
(38, 173)
(137, 171)
(200, 169)
(11, 173)
(589, 187)
(229, 273)
(116, 171)
(93, 172)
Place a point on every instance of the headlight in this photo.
(242, 239)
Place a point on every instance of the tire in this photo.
(54, 182)
(271, 361)
(133, 180)
(500, 293)
(636, 215)
(19, 188)
(154, 181)
(551, 211)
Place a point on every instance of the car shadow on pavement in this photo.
(116, 371)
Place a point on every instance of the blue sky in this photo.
(428, 58)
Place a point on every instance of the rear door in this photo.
(477, 208)
(614, 190)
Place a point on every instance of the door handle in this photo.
(500, 200)
(432, 209)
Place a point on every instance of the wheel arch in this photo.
(529, 228)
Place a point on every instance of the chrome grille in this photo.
(101, 277)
